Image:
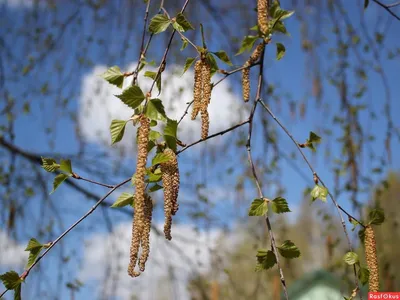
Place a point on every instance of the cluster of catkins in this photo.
(372, 259)
(143, 204)
(202, 94)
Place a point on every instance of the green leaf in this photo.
(33, 254)
(58, 180)
(33, 244)
(155, 187)
(279, 205)
(355, 223)
(363, 275)
(212, 62)
(17, 292)
(155, 110)
(350, 258)
(10, 280)
(117, 129)
(123, 200)
(170, 131)
(184, 44)
(314, 138)
(319, 192)
(181, 23)
(247, 43)
(65, 165)
(361, 235)
(114, 76)
(280, 51)
(154, 177)
(188, 64)
(259, 207)
(160, 158)
(376, 217)
(278, 26)
(132, 96)
(154, 135)
(366, 3)
(266, 259)
(50, 164)
(223, 56)
(289, 250)
(159, 23)
(153, 76)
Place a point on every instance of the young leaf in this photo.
(314, 138)
(160, 158)
(153, 76)
(154, 177)
(117, 129)
(247, 43)
(280, 51)
(50, 164)
(188, 64)
(159, 23)
(155, 187)
(361, 235)
(10, 280)
(259, 207)
(114, 76)
(58, 180)
(223, 56)
(33, 254)
(266, 260)
(363, 275)
(154, 135)
(279, 205)
(65, 165)
(184, 44)
(170, 133)
(33, 244)
(132, 96)
(376, 217)
(289, 250)
(155, 110)
(319, 192)
(123, 200)
(212, 62)
(181, 23)
(351, 258)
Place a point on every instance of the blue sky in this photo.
(290, 75)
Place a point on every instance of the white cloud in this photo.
(194, 255)
(99, 106)
(12, 253)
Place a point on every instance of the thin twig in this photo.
(76, 176)
(213, 135)
(387, 8)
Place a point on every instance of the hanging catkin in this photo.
(246, 71)
(202, 94)
(372, 259)
(145, 241)
(139, 204)
(170, 179)
(262, 15)
(197, 90)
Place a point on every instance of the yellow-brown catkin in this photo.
(197, 90)
(262, 15)
(206, 97)
(170, 179)
(372, 259)
(148, 212)
(246, 72)
(139, 215)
